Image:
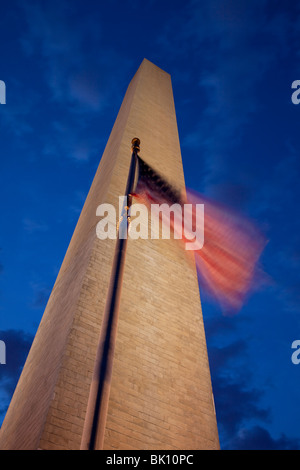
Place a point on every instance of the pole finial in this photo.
(135, 144)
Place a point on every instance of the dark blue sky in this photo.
(66, 65)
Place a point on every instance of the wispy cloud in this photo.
(40, 295)
(32, 226)
(41, 298)
(76, 72)
(232, 46)
(78, 77)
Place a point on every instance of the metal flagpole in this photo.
(95, 420)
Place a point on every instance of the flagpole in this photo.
(95, 420)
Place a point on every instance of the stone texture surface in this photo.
(161, 395)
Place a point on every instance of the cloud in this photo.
(276, 202)
(32, 226)
(219, 325)
(233, 47)
(221, 356)
(234, 194)
(41, 298)
(40, 295)
(18, 343)
(79, 75)
(237, 404)
(78, 68)
(258, 438)
(80, 145)
(236, 400)
(243, 421)
(17, 113)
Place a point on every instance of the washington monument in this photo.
(160, 394)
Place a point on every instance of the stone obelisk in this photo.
(161, 394)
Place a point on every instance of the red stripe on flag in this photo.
(232, 246)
